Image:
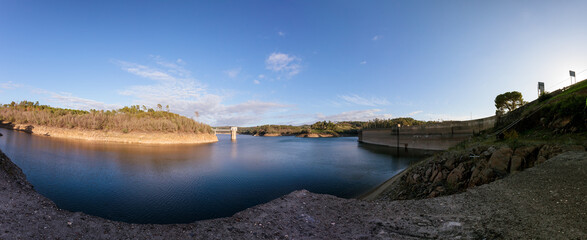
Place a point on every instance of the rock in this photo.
(434, 173)
(439, 177)
(428, 172)
(500, 159)
(485, 176)
(487, 153)
(450, 163)
(561, 122)
(482, 174)
(546, 152)
(456, 175)
(565, 148)
(521, 158)
(437, 191)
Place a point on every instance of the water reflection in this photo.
(178, 183)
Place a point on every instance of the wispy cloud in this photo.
(415, 113)
(359, 115)
(283, 63)
(281, 34)
(174, 86)
(354, 99)
(69, 101)
(376, 37)
(9, 85)
(256, 81)
(233, 73)
(144, 71)
(363, 62)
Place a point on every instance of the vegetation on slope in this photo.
(127, 119)
(523, 138)
(347, 128)
(390, 123)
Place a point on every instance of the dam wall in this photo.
(429, 137)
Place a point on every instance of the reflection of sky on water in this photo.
(184, 183)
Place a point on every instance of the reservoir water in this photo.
(181, 184)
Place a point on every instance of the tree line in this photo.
(127, 119)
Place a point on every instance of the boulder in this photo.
(456, 175)
(546, 152)
(450, 163)
(521, 158)
(434, 173)
(439, 177)
(428, 172)
(500, 159)
(481, 177)
(487, 153)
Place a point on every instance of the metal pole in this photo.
(398, 125)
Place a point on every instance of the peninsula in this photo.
(126, 125)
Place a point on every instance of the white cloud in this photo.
(376, 37)
(261, 76)
(185, 95)
(256, 81)
(283, 63)
(415, 113)
(144, 71)
(359, 115)
(364, 62)
(354, 99)
(281, 34)
(69, 101)
(9, 85)
(233, 73)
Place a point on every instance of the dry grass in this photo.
(127, 119)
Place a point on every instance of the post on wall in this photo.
(540, 89)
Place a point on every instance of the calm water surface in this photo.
(180, 184)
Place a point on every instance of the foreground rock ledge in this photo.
(545, 202)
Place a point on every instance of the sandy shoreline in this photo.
(112, 136)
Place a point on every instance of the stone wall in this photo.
(430, 137)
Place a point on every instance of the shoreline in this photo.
(111, 136)
(525, 205)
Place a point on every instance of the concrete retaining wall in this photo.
(430, 137)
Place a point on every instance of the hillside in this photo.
(522, 139)
(318, 129)
(128, 124)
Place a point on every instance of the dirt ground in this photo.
(545, 202)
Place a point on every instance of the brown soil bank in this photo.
(113, 136)
(547, 202)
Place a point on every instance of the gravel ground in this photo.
(545, 202)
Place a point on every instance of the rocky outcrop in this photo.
(12, 173)
(452, 172)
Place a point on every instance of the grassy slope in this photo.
(125, 120)
(557, 119)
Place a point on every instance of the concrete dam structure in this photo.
(429, 137)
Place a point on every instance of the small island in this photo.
(134, 124)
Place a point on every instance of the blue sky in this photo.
(248, 63)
